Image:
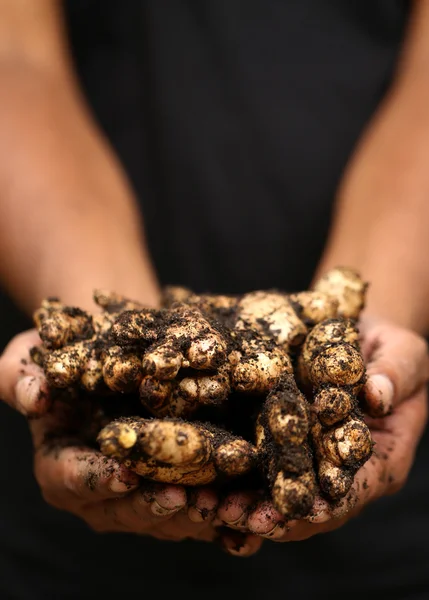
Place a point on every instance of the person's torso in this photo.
(235, 120)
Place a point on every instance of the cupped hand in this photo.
(76, 478)
(395, 396)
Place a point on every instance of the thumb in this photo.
(398, 365)
(22, 383)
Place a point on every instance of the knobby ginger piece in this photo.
(196, 351)
(346, 286)
(281, 439)
(331, 362)
(168, 450)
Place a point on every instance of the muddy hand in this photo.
(78, 479)
(397, 366)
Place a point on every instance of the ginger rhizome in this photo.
(213, 388)
(331, 362)
(282, 432)
(177, 451)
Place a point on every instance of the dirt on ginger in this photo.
(261, 388)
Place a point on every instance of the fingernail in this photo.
(320, 512)
(195, 515)
(277, 531)
(240, 522)
(160, 511)
(198, 516)
(27, 392)
(130, 478)
(383, 390)
(318, 517)
(119, 487)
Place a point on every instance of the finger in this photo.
(300, 531)
(266, 521)
(32, 397)
(234, 510)
(237, 543)
(164, 499)
(202, 505)
(396, 439)
(71, 477)
(398, 365)
(68, 472)
(140, 512)
(22, 382)
(369, 484)
(379, 392)
(386, 471)
(320, 511)
(180, 527)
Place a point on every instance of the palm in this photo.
(397, 366)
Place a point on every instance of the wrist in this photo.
(74, 279)
(392, 294)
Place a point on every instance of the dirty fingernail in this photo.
(195, 515)
(318, 517)
(200, 515)
(382, 388)
(27, 394)
(320, 513)
(130, 478)
(276, 532)
(240, 522)
(160, 511)
(119, 487)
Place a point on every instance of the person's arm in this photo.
(381, 227)
(68, 219)
(69, 223)
(381, 224)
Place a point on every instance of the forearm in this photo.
(381, 222)
(68, 221)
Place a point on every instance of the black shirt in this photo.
(235, 120)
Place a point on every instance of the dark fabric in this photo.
(234, 120)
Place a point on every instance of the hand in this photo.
(76, 478)
(398, 369)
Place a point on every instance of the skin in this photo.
(380, 220)
(81, 193)
(74, 478)
(396, 387)
(380, 227)
(381, 213)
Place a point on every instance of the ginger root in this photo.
(281, 438)
(263, 385)
(331, 361)
(176, 451)
(347, 288)
(59, 325)
(181, 397)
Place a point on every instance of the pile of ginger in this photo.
(260, 389)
